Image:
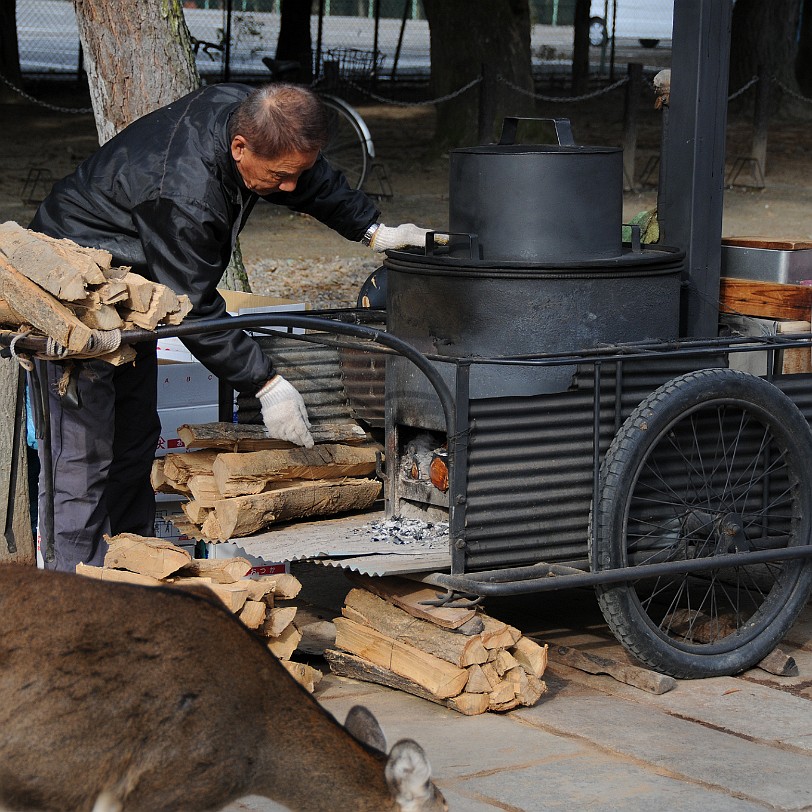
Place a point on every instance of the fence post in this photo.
(761, 115)
(630, 118)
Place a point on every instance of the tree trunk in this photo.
(9, 52)
(766, 33)
(294, 37)
(138, 57)
(473, 38)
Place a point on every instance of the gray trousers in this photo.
(102, 451)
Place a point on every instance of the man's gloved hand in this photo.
(386, 237)
(284, 412)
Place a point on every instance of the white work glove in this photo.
(284, 412)
(386, 237)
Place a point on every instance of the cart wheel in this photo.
(712, 462)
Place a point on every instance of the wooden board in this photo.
(768, 242)
(768, 300)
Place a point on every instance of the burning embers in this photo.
(425, 461)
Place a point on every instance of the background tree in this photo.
(469, 37)
(9, 52)
(772, 34)
(138, 57)
(294, 41)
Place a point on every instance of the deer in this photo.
(128, 698)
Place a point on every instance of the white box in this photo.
(183, 385)
(172, 418)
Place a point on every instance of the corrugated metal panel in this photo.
(314, 370)
(530, 465)
(364, 375)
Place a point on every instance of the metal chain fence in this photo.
(395, 30)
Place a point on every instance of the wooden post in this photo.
(761, 116)
(630, 117)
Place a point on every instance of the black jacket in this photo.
(165, 197)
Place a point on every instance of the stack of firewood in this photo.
(458, 657)
(66, 292)
(254, 600)
(234, 493)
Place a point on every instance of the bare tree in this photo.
(138, 57)
(9, 52)
(772, 35)
(473, 38)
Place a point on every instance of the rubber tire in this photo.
(598, 35)
(655, 425)
(347, 148)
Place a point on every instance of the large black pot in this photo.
(538, 203)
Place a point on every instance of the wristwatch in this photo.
(370, 233)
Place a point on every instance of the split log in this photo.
(253, 614)
(58, 266)
(179, 467)
(111, 292)
(504, 662)
(238, 474)
(204, 490)
(497, 634)
(435, 675)
(277, 620)
(364, 607)
(780, 663)
(307, 676)
(219, 570)
(283, 646)
(283, 585)
(42, 310)
(641, 678)
(250, 437)
(244, 515)
(409, 596)
(96, 315)
(477, 683)
(9, 316)
(139, 292)
(116, 576)
(232, 596)
(155, 557)
(531, 656)
(348, 665)
(195, 511)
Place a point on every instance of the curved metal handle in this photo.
(563, 129)
(432, 246)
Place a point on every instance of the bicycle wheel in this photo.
(712, 462)
(349, 148)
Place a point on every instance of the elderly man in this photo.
(168, 196)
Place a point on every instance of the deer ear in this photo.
(362, 724)
(408, 774)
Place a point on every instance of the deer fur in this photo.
(118, 698)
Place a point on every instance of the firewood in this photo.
(503, 696)
(283, 585)
(780, 663)
(253, 613)
(179, 467)
(195, 511)
(139, 292)
(348, 665)
(125, 354)
(112, 291)
(504, 662)
(244, 515)
(409, 596)
(496, 634)
(155, 557)
(249, 437)
(55, 266)
(157, 479)
(232, 596)
(437, 676)
(9, 316)
(220, 570)
(530, 655)
(285, 644)
(307, 676)
(364, 607)
(277, 620)
(237, 474)
(96, 315)
(527, 688)
(42, 310)
(117, 576)
(477, 681)
(204, 490)
(259, 591)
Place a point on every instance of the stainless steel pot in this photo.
(538, 203)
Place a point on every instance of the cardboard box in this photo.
(184, 385)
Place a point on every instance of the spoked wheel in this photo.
(350, 147)
(713, 462)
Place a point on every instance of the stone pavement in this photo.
(591, 743)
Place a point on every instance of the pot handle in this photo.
(433, 248)
(563, 129)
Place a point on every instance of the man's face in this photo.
(265, 175)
